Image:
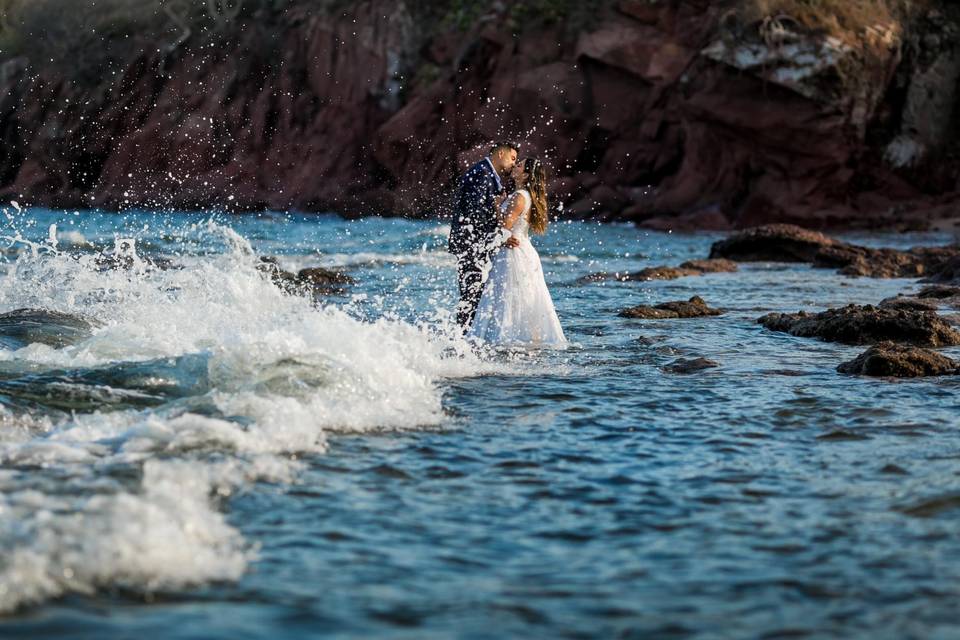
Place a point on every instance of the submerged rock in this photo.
(939, 292)
(900, 361)
(308, 281)
(117, 386)
(908, 303)
(856, 324)
(324, 280)
(711, 265)
(690, 365)
(885, 263)
(948, 273)
(772, 243)
(22, 327)
(695, 307)
(789, 243)
(664, 272)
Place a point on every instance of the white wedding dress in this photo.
(515, 307)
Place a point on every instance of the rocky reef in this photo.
(889, 359)
(695, 307)
(685, 114)
(790, 243)
(855, 324)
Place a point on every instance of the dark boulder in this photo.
(690, 365)
(900, 361)
(772, 243)
(856, 324)
(659, 273)
(321, 280)
(885, 263)
(789, 243)
(948, 273)
(908, 303)
(712, 265)
(308, 281)
(22, 327)
(695, 307)
(664, 272)
(939, 292)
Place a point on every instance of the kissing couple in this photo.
(504, 298)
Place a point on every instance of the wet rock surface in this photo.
(687, 269)
(311, 280)
(889, 359)
(885, 263)
(790, 243)
(22, 327)
(695, 307)
(947, 273)
(773, 243)
(690, 365)
(908, 303)
(855, 324)
(939, 292)
(941, 295)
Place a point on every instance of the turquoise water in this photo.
(214, 459)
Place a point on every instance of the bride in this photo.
(516, 307)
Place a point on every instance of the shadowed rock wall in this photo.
(653, 112)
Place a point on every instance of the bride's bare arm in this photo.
(510, 218)
(513, 214)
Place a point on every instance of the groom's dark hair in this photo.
(503, 144)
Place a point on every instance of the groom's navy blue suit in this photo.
(473, 232)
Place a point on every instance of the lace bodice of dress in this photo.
(521, 228)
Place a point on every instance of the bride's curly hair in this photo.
(537, 186)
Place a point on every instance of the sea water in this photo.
(187, 450)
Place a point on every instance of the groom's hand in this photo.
(511, 242)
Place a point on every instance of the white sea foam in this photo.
(71, 238)
(282, 373)
(166, 536)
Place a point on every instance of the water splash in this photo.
(197, 380)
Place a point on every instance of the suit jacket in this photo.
(475, 224)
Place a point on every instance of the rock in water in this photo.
(855, 324)
(663, 272)
(713, 265)
(939, 292)
(789, 243)
(908, 303)
(948, 273)
(22, 327)
(684, 365)
(695, 307)
(900, 361)
(324, 280)
(772, 243)
(940, 295)
(309, 281)
(885, 263)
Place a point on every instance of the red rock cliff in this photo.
(653, 112)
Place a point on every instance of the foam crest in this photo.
(270, 375)
(167, 536)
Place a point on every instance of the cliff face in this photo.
(655, 112)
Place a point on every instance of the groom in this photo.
(473, 231)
